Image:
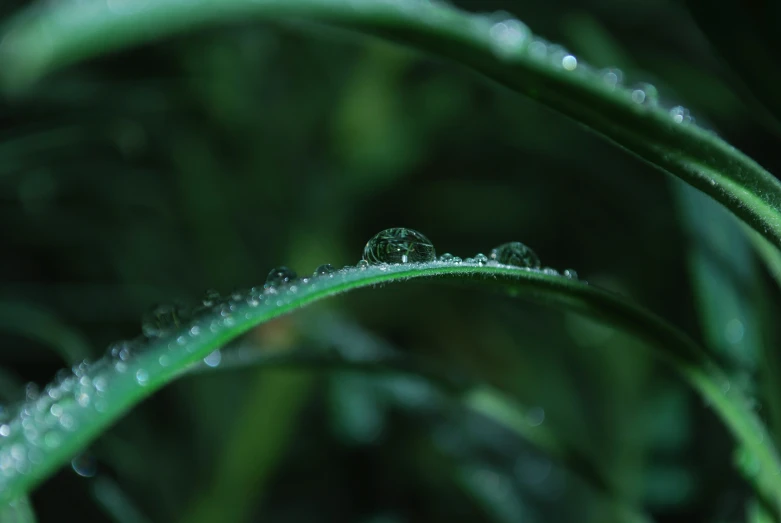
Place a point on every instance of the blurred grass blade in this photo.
(341, 346)
(18, 511)
(746, 36)
(728, 292)
(40, 439)
(51, 35)
(43, 326)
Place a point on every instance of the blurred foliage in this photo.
(205, 160)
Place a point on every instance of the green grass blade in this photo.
(71, 413)
(52, 35)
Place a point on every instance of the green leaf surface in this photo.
(51, 35)
(72, 412)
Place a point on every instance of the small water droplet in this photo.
(457, 259)
(85, 465)
(213, 360)
(535, 416)
(516, 254)
(469, 260)
(210, 298)
(362, 264)
(399, 245)
(681, 115)
(612, 77)
(569, 62)
(481, 259)
(571, 274)
(142, 377)
(5, 430)
(279, 276)
(550, 271)
(447, 257)
(324, 270)
(645, 94)
(509, 37)
(538, 49)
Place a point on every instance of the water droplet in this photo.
(161, 320)
(509, 37)
(5, 430)
(324, 270)
(456, 259)
(279, 276)
(210, 298)
(399, 245)
(142, 377)
(469, 260)
(535, 416)
(680, 114)
(571, 274)
(612, 77)
(447, 257)
(213, 360)
(517, 254)
(645, 94)
(85, 465)
(550, 271)
(362, 264)
(481, 259)
(538, 49)
(569, 62)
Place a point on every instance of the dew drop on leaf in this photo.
(214, 359)
(509, 37)
(362, 264)
(210, 298)
(399, 245)
(517, 254)
(324, 270)
(571, 274)
(481, 259)
(142, 377)
(85, 465)
(612, 77)
(279, 276)
(645, 94)
(447, 257)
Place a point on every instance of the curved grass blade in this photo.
(40, 438)
(358, 351)
(745, 34)
(52, 35)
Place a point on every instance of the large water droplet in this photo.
(517, 254)
(279, 276)
(399, 245)
(324, 270)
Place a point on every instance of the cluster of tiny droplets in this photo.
(46, 418)
(510, 39)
